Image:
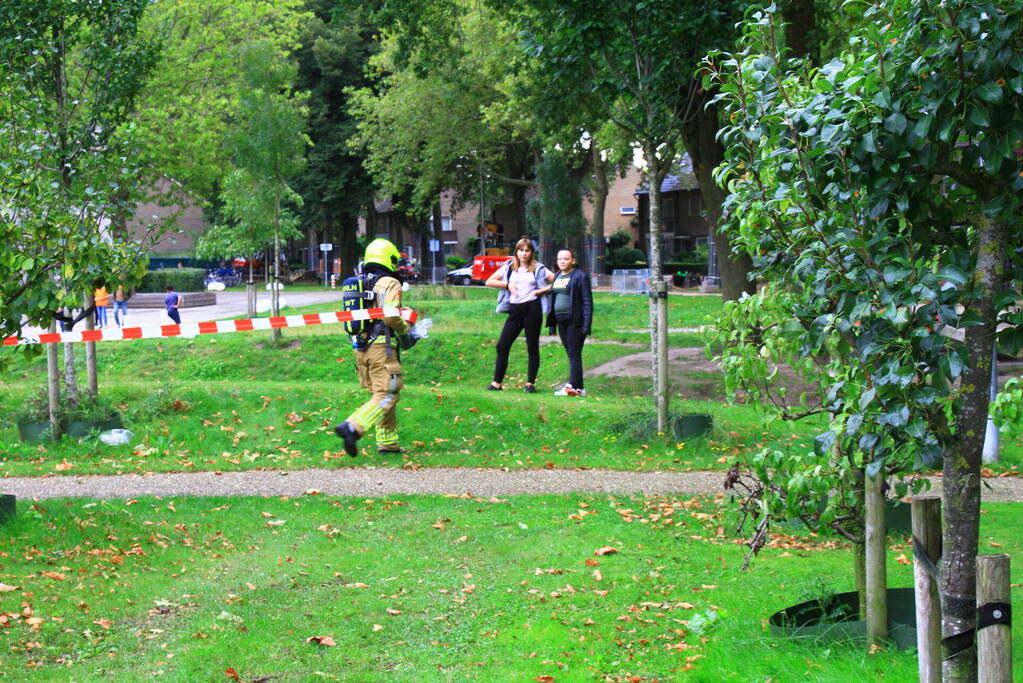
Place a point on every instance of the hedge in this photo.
(182, 279)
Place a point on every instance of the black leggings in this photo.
(528, 317)
(572, 338)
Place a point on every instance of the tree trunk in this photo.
(53, 385)
(960, 501)
(70, 376)
(519, 199)
(275, 293)
(600, 191)
(700, 134)
(801, 29)
(874, 532)
(350, 255)
(250, 291)
(658, 290)
(860, 577)
(91, 375)
(372, 219)
(438, 234)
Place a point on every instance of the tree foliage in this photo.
(880, 195)
(70, 73)
(191, 99)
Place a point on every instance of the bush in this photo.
(453, 262)
(182, 279)
(625, 258)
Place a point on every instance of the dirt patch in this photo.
(693, 374)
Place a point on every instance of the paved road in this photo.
(385, 481)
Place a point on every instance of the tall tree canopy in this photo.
(191, 98)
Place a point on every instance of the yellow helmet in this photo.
(383, 253)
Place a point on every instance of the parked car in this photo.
(460, 276)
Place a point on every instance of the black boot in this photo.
(349, 436)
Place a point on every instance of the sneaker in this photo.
(390, 451)
(565, 391)
(349, 436)
(530, 389)
(491, 387)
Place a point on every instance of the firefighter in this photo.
(377, 354)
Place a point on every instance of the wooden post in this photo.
(927, 530)
(877, 573)
(994, 642)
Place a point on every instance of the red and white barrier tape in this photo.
(213, 326)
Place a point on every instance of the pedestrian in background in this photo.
(172, 301)
(523, 296)
(101, 297)
(120, 306)
(571, 315)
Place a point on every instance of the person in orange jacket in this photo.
(101, 298)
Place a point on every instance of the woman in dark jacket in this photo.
(571, 313)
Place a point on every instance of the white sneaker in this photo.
(563, 391)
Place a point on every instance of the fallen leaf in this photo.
(56, 576)
(606, 550)
(461, 539)
(590, 562)
(232, 674)
(393, 612)
(597, 576)
(544, 679)
(63, 467)
(4, 588)
(105, 623)
(325, 641)
(902, 559)
(378, 627)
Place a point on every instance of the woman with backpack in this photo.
(524, 284)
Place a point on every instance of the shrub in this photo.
(453, 262)
(182, 279)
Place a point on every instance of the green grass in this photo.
(478, 589)
(232, 401)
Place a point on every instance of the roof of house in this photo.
(684, 180)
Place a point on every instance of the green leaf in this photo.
(896, 123)
(990, 92)
(953, 275)
(866, 397)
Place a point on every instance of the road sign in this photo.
(434, 245)
(326, 246)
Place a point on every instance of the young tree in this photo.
(882, 196)
(640, 60)
(71, 74)
(267, 144)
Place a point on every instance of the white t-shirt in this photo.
(524, 282)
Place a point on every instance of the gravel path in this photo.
(369, 482)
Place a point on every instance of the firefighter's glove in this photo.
(418, 331)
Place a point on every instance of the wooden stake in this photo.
(994, 642)
(927, 530)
